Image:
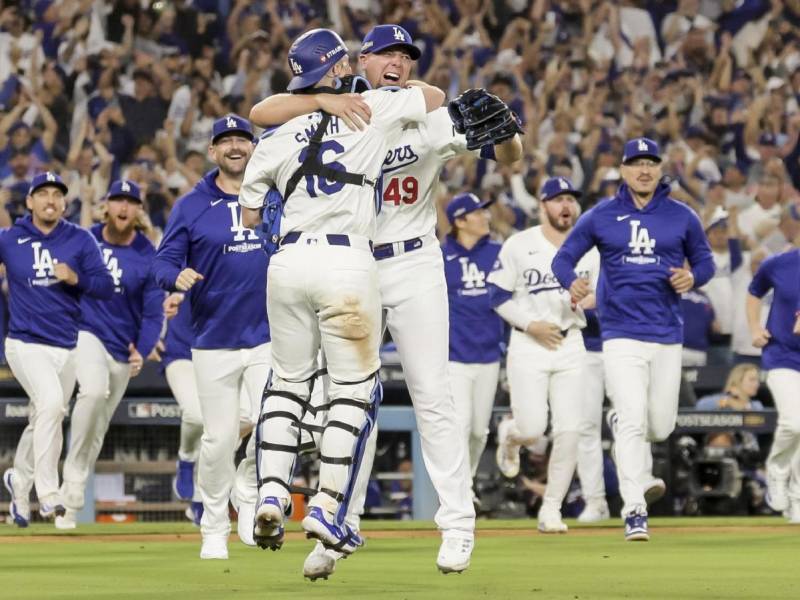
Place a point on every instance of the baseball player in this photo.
(50, 265)
(546, 355)
(781, 359)
(114, 337)
(207, 249)
(476, 331)
(323, 287)
(407, 250)
(644, 238)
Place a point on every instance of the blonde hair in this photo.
(736, 376)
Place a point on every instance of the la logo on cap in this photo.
(643, 146)
(50, 176)
(398, 34)
(230, 123)
(295, 66)
(563, 184)
(125, 187)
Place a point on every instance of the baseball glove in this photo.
(483, 118)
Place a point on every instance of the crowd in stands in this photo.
(100, 90)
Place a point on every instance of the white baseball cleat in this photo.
(67, 521)
(214, 547)
(268, 529)
(321, 562)
(19, 508)
(455, 552)
(550, 521)
(777, 496)
(793, 513)
(245, 523)
(594, 512)
(654, 490)
(507, 454)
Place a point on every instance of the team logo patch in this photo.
(125, 187)
(50, 176)
(398, 34)
(643, 147)
(231, 123)
(296, 68)
(563, 184)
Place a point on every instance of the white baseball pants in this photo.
(414, 295)
(785, 452)
(220, 376)
(321, 295)
(543, 381)
(590, 448)
(102, 381)
(474, 387)
(181, 380)
(47, 374)
(643, 380)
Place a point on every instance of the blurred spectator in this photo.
(763, 216)
(14, 187)
(739, 393)
(722, 232)
(698, 326)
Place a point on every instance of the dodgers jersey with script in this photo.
(476, 330)
(780, 273)
(205, 232)
(44, 310)
(322, 206)
(411, 172)
(134, 313)
(637, 248)
(524, 269)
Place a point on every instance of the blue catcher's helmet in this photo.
(312, 55)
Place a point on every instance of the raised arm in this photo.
(280, 108)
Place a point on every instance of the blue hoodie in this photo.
(43, 309)
(637, 248)
(134, 314)
(476, 330)
(178, 341)
(205, 232)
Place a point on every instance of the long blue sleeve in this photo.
(93, 277)
(698, 251)
(579, 241)
(173, 250)
(735, 250)
(152, 317)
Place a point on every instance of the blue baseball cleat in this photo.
(20, 517)
(194, 512)
(334, 537)
(268, 529)
(183, 484)
(636, 527)
(48, 511)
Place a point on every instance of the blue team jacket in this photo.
(44, 310)
(205, 232)
(637, 248)
(476, 330)
(782, 274)
(178, 341)
(134, 314)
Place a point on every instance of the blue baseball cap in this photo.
(555, 186)
(312, 55)
(640, 148)
(231, 124)
(464, 204)
(41, 180)
(124, 188)
(388, 36)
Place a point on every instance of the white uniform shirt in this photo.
(720, 291)
(524, 268)
(322, 206)
(411, 175)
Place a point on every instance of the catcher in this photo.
(406, 246)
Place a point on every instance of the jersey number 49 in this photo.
(404, 191)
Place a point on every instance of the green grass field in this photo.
(753, 558)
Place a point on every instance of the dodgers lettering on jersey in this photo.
(44, 310)
(134, 313)
(780, 273)
(205, 232)
(411, 172)
(476, 330)
(318, 205)
(637, 248)
(523, 268)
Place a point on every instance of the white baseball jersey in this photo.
(343, 208)
(411, 172)
(524, 268)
